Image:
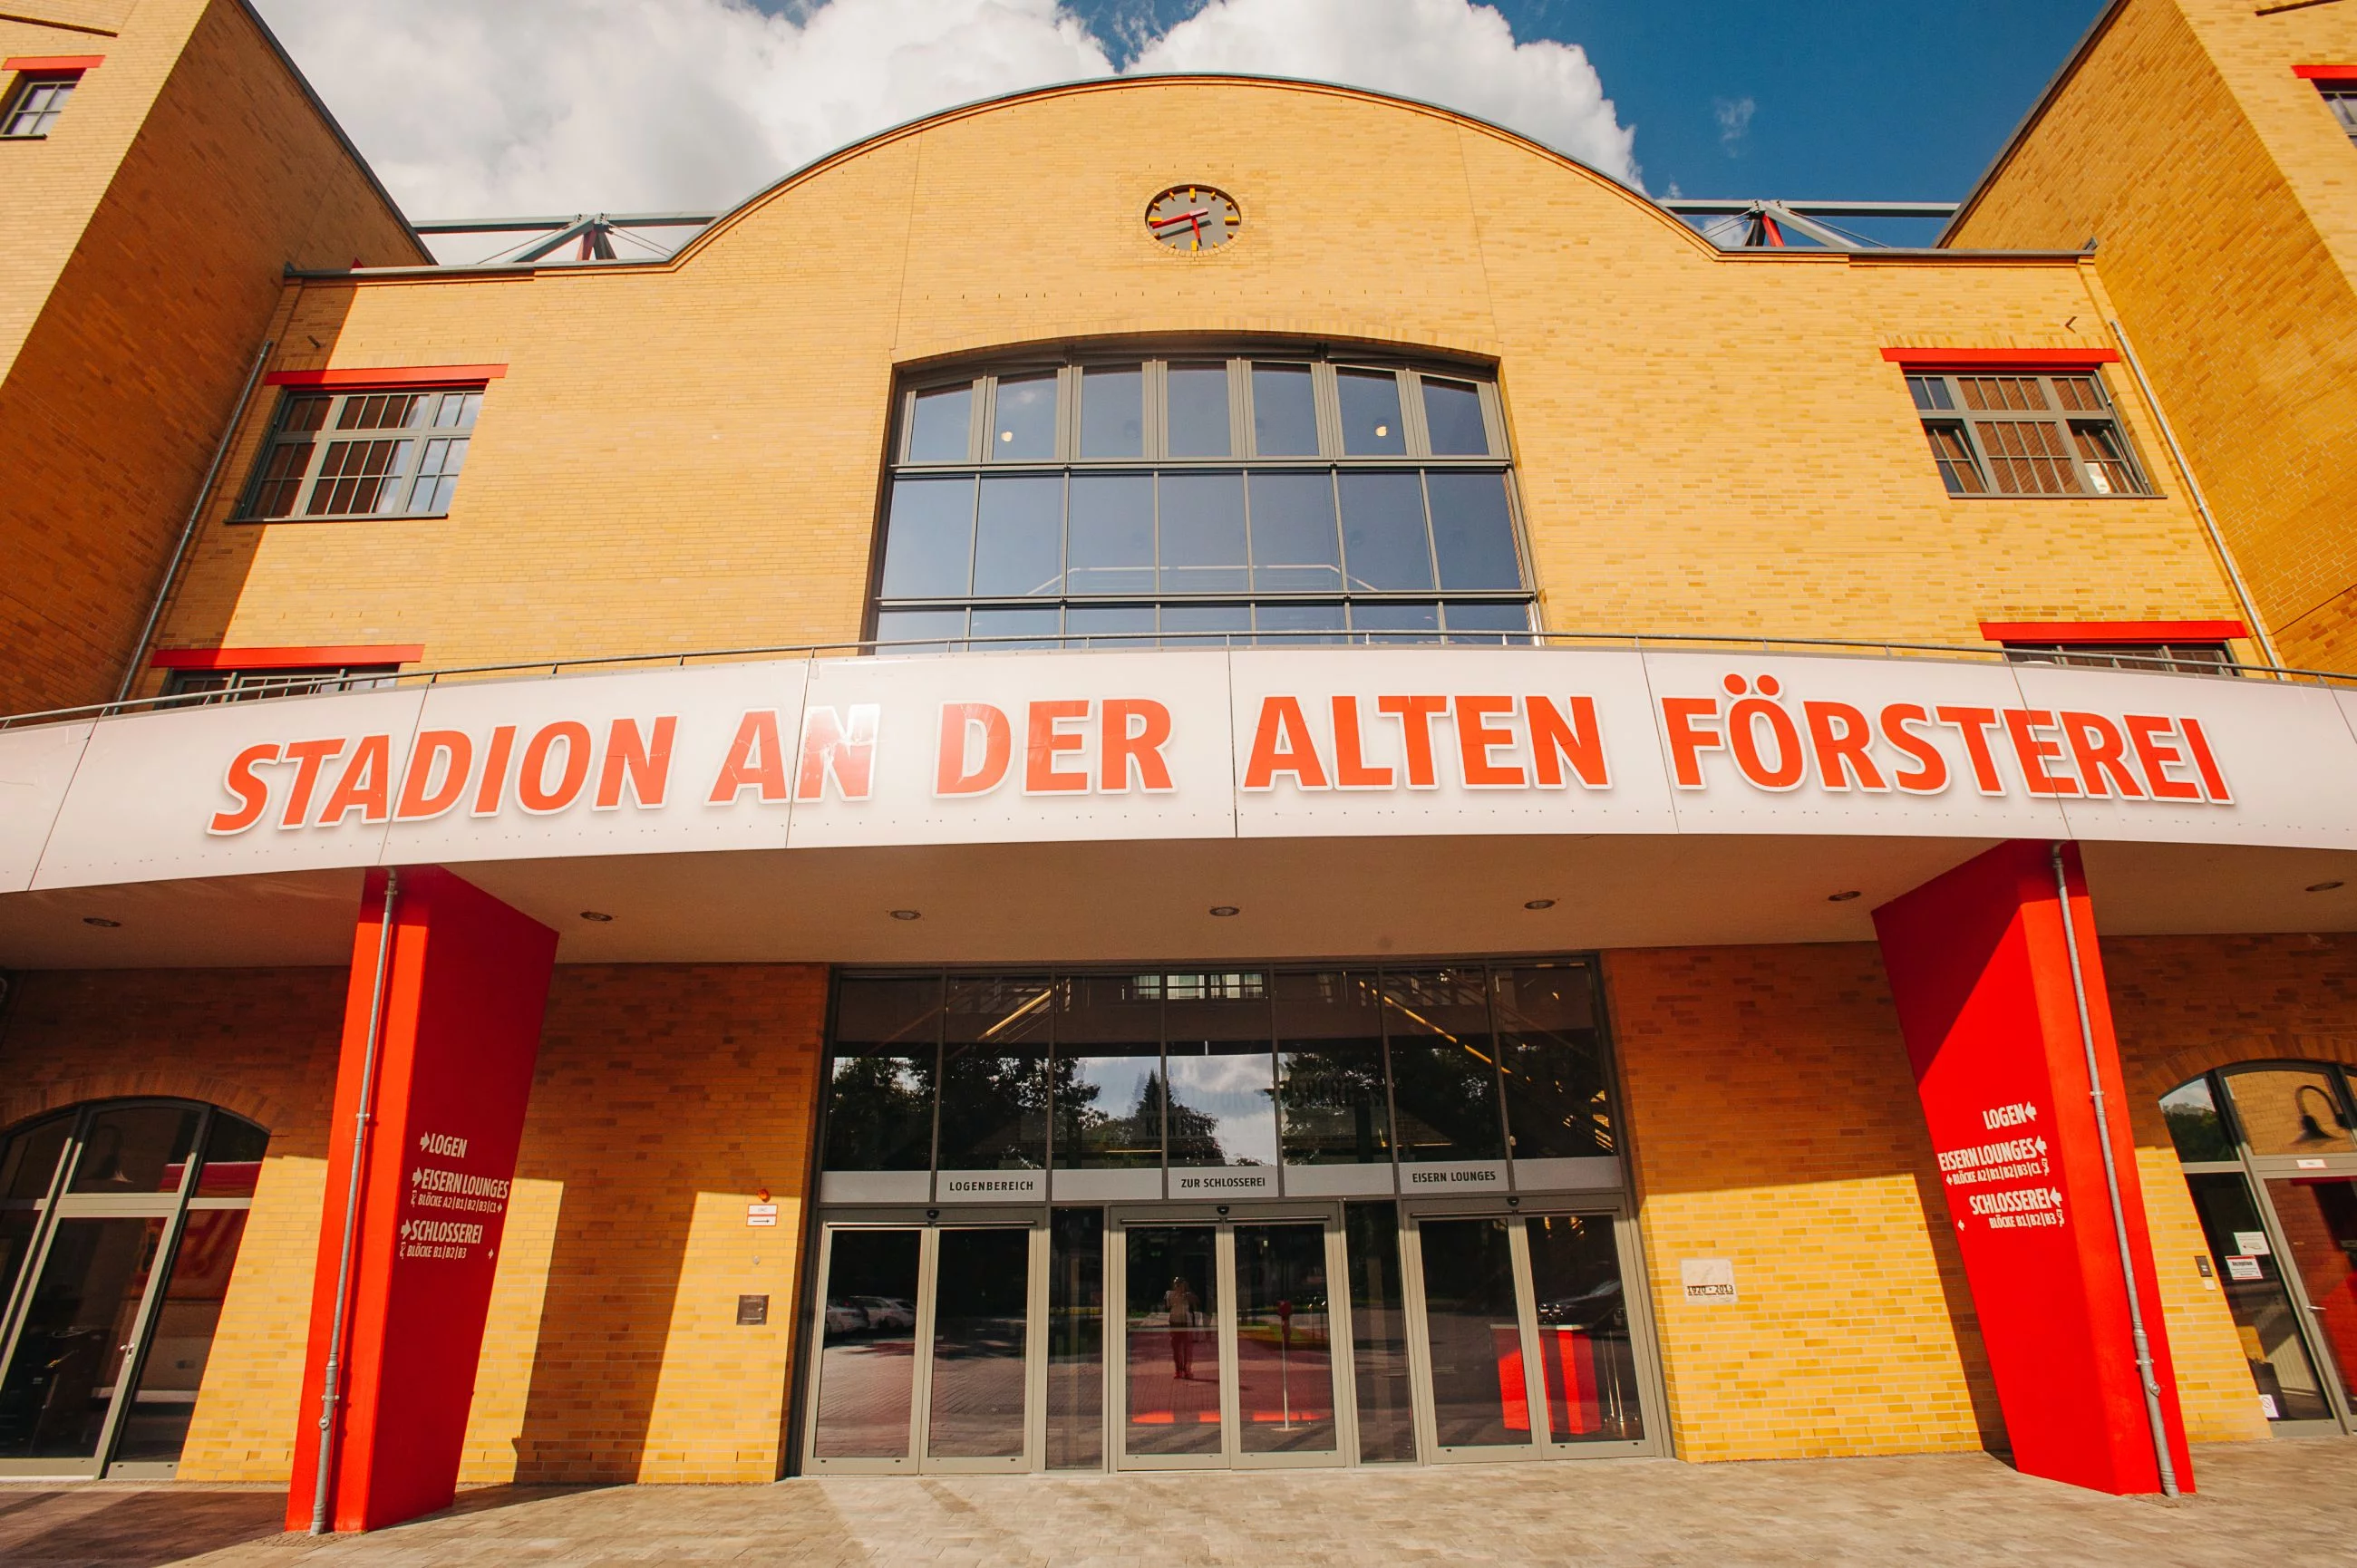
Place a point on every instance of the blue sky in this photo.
(1889, 100)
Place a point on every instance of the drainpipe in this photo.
(2200, 504)
(189, 529)
(2112, 1185)
(330, 1384)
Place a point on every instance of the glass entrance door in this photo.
(930, 1346)
(1228, 1343)
(1523, 1337)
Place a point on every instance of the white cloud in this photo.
(468, 109)
(1734, 122)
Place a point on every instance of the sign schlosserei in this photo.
(1174, 745)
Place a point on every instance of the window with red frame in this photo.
(2025, 433)
(363, 453)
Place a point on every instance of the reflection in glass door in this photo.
(1473, 1336)
(1284, 1344)
(2318, 1219)
(1171, 1334)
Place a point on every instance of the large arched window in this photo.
(119, 1223)
(1201, 499)
(2270, 1154)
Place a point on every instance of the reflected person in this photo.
(1180, 1299)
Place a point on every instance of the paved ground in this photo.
(2276, 1504)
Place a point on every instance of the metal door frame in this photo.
(1652, 1403)
(928, 1224)
(1221, 1219)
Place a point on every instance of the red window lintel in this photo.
(58, 64)
(388, 376)
(2026, 360)
(2061, 632)
(2327, 72)
(287, 657)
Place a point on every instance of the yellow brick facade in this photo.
(2223, 196)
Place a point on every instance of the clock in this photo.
(1193, 218)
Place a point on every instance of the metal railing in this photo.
(299, 683)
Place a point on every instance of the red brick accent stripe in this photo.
(287, 657)
(52, 62)
(1998, 359)
(388, 376)
(2063, 631)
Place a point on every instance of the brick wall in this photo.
(2219, 189)
(688, 455)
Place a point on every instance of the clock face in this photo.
(1193, 218)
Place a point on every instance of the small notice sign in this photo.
(2267, 1406)
(1707, 1279)
(760, 1214)
(2242, 1269)
(2251, 1243)
(752, 1311)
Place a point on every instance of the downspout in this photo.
(2112, 1185)
(331, 1379)
(2200, 503)
(189, 529)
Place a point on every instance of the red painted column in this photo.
(458, 1031)
(1981, 973)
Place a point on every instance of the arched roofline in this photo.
(918, 126)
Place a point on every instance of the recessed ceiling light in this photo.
(2322, 887)
(101, 922)
(1538, 903)
(1224, 910)
(597, 915)
(1840, 898)
(908, 915)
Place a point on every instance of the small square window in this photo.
(2340, 97)
(38, 102)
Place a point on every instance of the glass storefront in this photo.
(1235, 1217)
(2269, 1151)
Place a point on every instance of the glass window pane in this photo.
(909, 630)
(233, 1151)
(880, 1109)
(1024, 430)
(1472, 532)
(1285, 412)
(1379, 1335)
(180, 1342)
(994, 1074)
(928, 539)
(1384, 539)
(2264, 1318)
(1108, 1074)
(1202, 546)
(1113, 412)
(1371, 413)
(867, 1351)
(1295, 545)
(2290, 1110)
(1223, 1071)
(1019, 536)
(1112, 545)
(1587, 1363)
(1473, 1334)
(982, 1289)
(135, 1148)
(1330, 1070)
(1203, 626)
(1109, 626)
(74, 1336)
(1396, 623)
(2318, 1216)
(1482, 623)
(1551, 1057)
(1199, 410)
(2194, 1124)
(940, 426)
(29, 1160)
(1172, 1360)
(16, 1225)
(1284, 1344)
(1452, 418)
(1010, 631)
(1299, 626)
(1444, 1079)
(1076, 1340)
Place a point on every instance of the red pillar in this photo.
(1981, 971)
(458, 1032)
